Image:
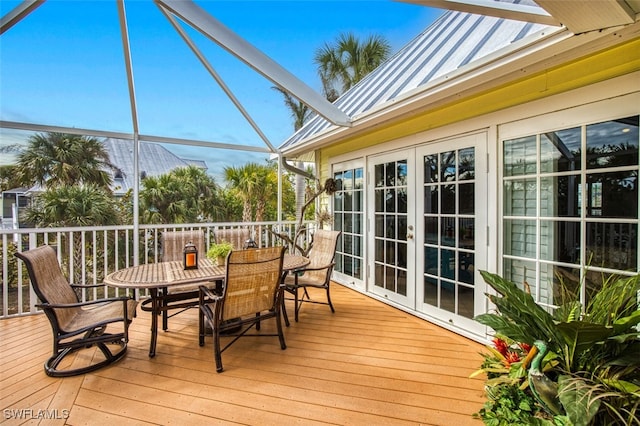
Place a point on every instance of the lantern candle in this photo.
(190, 259)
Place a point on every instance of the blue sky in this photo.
(63, 65)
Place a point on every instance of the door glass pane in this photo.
(430, 168)
(390, 174)
(448, 166)
(431, 199)
(467, 198)
(379, 175)
(613, 195)
(402, 173)
(431, 230)
(560, 196)
(467, 164)
(448, 200)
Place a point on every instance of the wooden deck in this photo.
(366, 364)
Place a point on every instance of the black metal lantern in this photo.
(190, 256)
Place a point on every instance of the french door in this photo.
(428, 236)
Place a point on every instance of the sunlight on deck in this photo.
(366, 364)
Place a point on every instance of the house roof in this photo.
(154, 159)
(454, 41)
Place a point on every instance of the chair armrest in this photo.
(81, 304)
(207, 295)
(319, 268)
(81, 286)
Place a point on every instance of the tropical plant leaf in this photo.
(622, 385)
(628, 357)
(623, 324)
(574, 396)
(580, 336)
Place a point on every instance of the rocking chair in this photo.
(76, 325)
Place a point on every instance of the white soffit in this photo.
(591, 14)
(497, 9)
(578, 17)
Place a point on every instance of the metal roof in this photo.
(154, 159)
(454, 41)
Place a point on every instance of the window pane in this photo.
(613, 195)
(358, 178)
(402, 228)
(431, 291)
(431, 260)
(560, 150)
(348, 201)
(521, 271)
(560, 196)
(447, 263)
(391, 227)
(448, 231)
(613, 245)
(520, 237)
(337, 201)
(560, 241)
(520, 197)
(379, 225)
(520, 156)
(613, 143)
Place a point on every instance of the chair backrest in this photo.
(173, 243)
(322, 253)
(252, 280)
(237, 237)
(48, 281)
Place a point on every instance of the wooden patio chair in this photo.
(317, 274)
(251, 294)
(77, 325)
(183, 297)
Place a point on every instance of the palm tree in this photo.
(345, 63)
(73, 205)
(55, 159)
(183, 195)
(300, 112)
(244, 180)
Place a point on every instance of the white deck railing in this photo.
(88, 254)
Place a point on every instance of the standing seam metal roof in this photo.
(453, 41)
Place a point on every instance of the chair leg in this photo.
(217, 353)
(283, 309)
(296, 303)
(329, 300)
(283, 345)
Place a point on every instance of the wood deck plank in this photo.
(366, 364)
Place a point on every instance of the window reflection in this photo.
(613, 143)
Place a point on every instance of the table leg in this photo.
(154, 321)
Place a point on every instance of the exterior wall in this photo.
(601, 81)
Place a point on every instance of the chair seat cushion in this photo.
(101, 312)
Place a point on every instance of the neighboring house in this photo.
(155, 160)
(486, 144)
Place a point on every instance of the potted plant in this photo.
(219, 252)
(575, 365)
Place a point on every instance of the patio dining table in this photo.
(158, 278)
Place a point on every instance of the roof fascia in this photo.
(201, 20)
(590, 15)
(517, 12)
(509, 64)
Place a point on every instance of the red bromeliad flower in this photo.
(525, 347)
(511, 357)
(501, 346)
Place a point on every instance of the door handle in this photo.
(409, 236)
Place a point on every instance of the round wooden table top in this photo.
(167, 274)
